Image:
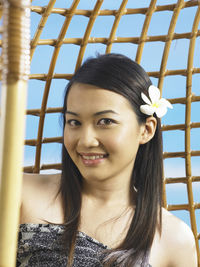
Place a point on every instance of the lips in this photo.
(92, 159)
(89, 155)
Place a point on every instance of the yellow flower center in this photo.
(155, 105)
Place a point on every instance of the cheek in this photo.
(68, 140)
(126, 140)
(114, 141)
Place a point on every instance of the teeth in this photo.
(93, 157)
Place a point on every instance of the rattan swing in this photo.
(15, 73)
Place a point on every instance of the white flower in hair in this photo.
(155, 104)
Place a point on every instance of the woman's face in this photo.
(101, 133)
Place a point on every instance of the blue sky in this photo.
(129, 26)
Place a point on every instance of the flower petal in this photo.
(154, 94)
(146, 109)
(166, 103)
(145, 98)
(161, 111)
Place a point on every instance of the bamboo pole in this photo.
(113, 31)
(88, 30)
(144, 31)
(109, 12)
(48, 82)
(15, 57)
(188, 152)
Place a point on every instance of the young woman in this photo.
(105, 209)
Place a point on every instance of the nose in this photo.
(88, 138)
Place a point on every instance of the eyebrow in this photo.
(95, 114)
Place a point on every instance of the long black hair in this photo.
(119, 74)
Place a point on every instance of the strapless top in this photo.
(40, 245)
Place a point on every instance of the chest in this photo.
(111, 227)
(107, 226)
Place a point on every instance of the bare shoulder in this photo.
(33, 184)
(178, 241)
(39, 201)
(175, 229)
(40, 179)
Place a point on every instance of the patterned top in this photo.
(40, 245)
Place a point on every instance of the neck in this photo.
(108, 192)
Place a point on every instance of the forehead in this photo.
(84, 96)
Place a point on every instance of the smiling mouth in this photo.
(92, 158)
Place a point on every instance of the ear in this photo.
(148, 130)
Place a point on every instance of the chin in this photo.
(93, 176)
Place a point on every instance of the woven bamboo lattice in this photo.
(84, 40)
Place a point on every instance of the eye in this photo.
(73, 123)
(106, 121)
